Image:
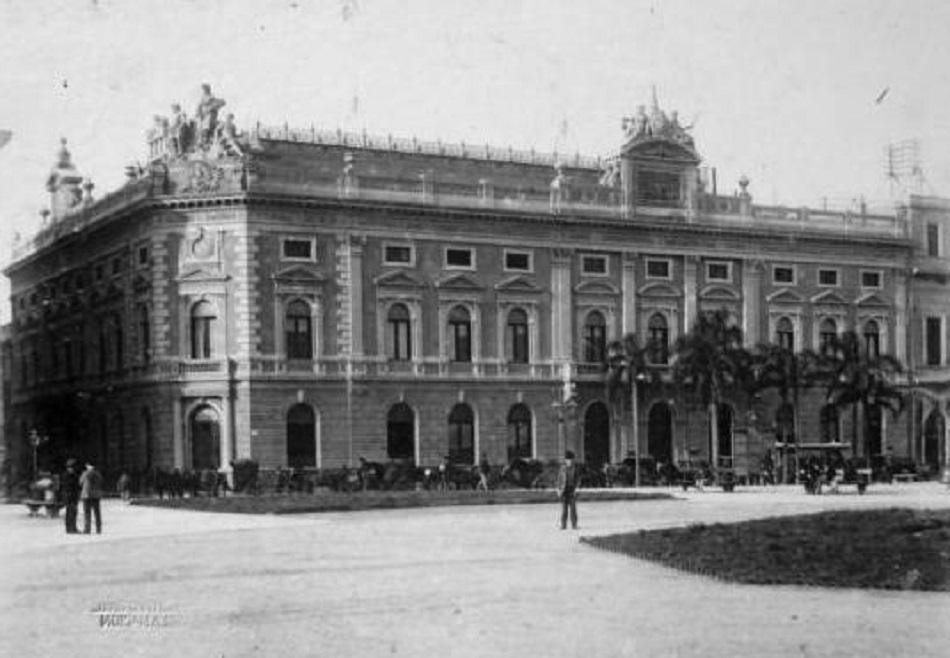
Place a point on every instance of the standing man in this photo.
(567, 480)
(91, 483)
(71, 496)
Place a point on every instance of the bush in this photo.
(245, 475)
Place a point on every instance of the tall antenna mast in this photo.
(902, 168)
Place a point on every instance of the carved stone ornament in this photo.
(202, 245)
(203, 177)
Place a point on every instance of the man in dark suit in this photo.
(567, 483)
(71, 496)
(90, 483)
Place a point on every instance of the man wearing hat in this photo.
(91, 483)
(71, 496)
(567, 481)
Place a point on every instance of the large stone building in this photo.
(306, 298)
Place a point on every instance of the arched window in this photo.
(203, 316)
(595, 337)
(659, 339)
(516, 336)
(519, 432)
(828, 418)
(301, 437)
(205, 439)
(298, 330)
(398, 338)
(460, 335)
(785, 334)
(400, 432)
(785, 423)
(872, 339)
(827, 334)
(462, 435)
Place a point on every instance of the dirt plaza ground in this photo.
(462, 581)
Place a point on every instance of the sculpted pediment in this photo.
(596, 287)
(785, 296)
(459, 282)
(718, 292)
(398, 279)
(299, 275)
(517, 283)
(201, 276)
(872, 300)
(660, 148)
(658, 289)
(829, 297)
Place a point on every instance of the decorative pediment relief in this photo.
(872, 300)
(829, 297)
(201, 276)
(517, 284)
(399, 279)
(716, 292)
(596, 287)
(785, 296)
(458, 282)
(658, 289)
(299, 276)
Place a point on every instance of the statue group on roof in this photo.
(205, 133)
(656, 124)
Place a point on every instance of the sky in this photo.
(802, 97)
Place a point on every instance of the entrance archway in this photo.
(660, 433)
(933, 440)
(301, 437)
(596, 435)
(400, 432)
(205, 438)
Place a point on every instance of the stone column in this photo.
(178, 439)
(690, 264)
(356, 291)
(226, 448)
(628, 293)
(561, 303)
(900, 320)
(752, 270)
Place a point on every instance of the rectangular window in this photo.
(457, 257)
(934, 341)
(517, 261)
(98, 272)
(143, 255)
(783, 275)
(297, 249)
(827, 277)
(871, 279)
(594, 265)
(719, 271)
(658, 269)
(933, 240)
(518, 340)
(397, 254)
(400, 345)
(461, 341)
(201, 337)
(116, 265)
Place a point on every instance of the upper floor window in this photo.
(933, 329)
(116, 265)
(933, 240)
(299, 331)
(399, 340)
(203, 316)
(872, 339)
(143, 255)
(516, 336)
(460, 335)
(595, 338)
(594, 265)
(719, 271)
(658, 268)
(145, 332)
(517, 261)
(871, 279)
(827, 334)
(298, 249)
(459, 258)
(783, 275)
(785, 334)
(827, 277)
(659, 339)
(398, 254)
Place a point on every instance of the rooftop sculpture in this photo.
(656, 125)
(203, 135)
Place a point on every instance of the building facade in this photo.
(305, 298)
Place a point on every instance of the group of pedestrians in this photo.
(86, 487)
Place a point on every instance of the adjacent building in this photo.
(305, 298)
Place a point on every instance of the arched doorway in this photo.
(933, 440)
(461, 435)
(519, 432)
(724, 425)
(400, 432)
(875, 428)
(596, 435)
(205, 438)
(660, 433)
(301, 437)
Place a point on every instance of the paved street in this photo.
(470, 581)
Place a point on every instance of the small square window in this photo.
(827, 277)
(143, 255)
(594, 264)
(518, 261)
(397, 254)
(783, 275)
(658, 269)
(718, 271)
(870, 279)
(294, 249)
(459, 257)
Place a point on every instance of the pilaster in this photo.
(628, 293)
(690, 265)
(561, 303)
(752, 272)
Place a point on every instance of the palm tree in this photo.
(855, 378)
(628, 363)
(711, 363)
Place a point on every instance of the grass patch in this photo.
(326, 501)
(884, 549)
